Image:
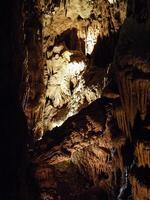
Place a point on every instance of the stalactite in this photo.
(142, 152)
(125, 87)
(134, 97)
(65, 4)
(142, 88)
(122, 120)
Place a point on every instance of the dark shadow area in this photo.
(140, 130)
(69, 38)
(13, 129)
(102, 57)
(138, 9)
(50, 5)
(142, 174)
(104, 49)
(128, 152)
(93, 194)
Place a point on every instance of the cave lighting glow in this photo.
(76, 68)
(112, 1)
(90, 42)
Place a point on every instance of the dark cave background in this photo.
(13, 123)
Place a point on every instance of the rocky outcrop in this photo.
(67, 92)
(69, 47)
(132, 72)
(86, 96)
(89, 143)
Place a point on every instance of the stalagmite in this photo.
(122, 120)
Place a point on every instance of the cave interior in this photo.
(75, 100)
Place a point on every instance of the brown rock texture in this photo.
(81, 72)
(132, 70)
(65, 63)
(90, 144)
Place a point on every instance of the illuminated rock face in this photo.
(66, 91)
(112, 1)
(65, 64)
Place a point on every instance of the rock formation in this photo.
(84, 91)
(68, 37)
